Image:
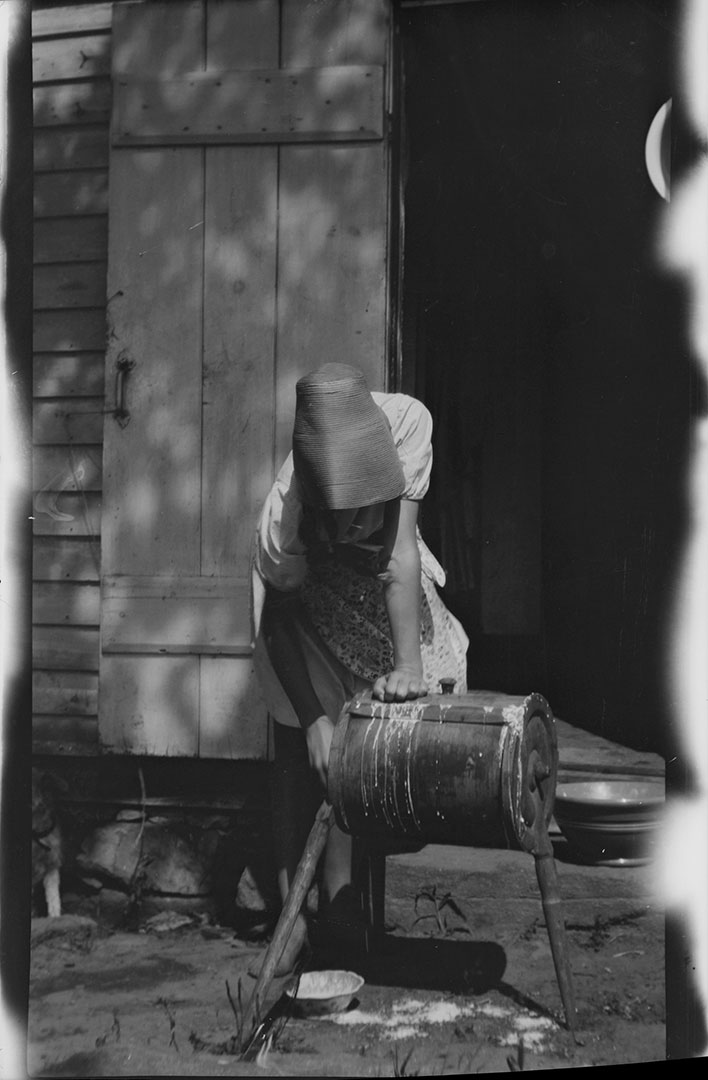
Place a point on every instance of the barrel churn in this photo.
(476, 769)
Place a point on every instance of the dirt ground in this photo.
(463, 983)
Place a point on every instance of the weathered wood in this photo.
(332, 285)
(73, 736)
(155, 274)
(239, 296)
(152, 474)
(239, 331)
(204, 367)
(177, 614)
(64, 194)
(70, 331)
(76, 420)
(70, 239)
(68, 514)
(66, 468)
(451, 769)
(70, 285)
(337, 32)
(550, 898)
(71, 19)
(71, 148)
(332, 271)
(239, 349)
(72, 103)
(304, 876)
(233, 720)
(322, 104)
(160, 39)
(65, 559)
(151, 517)
(65, 603)
(579, 749)
(74, 649)
(81, 57)
(74, 375)
(150, 705)
(243, 36)
(68, 693)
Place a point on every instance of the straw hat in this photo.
(343, 450)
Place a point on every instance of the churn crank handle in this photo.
(550, 899)
(291, 908)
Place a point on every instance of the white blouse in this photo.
(280, 555)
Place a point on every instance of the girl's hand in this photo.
(319, 739)
(402, 684)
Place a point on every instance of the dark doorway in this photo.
(549, 344)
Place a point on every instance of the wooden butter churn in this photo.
(476, 769)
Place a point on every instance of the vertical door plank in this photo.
(150, 705)
(242, 36)
(152, 477)
(238, 368)
(336, 32)
(332, 287)
(234, 722)
(162, 38)
(239, 331)
(332, 271)
(239, 290)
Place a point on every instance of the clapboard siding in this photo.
(63, 194)
(65, 603)
(72, 99)
(70, 239)
(66, 735)
(72, 103)
(78, 421)
(67, 514)
(84, 57)
(66, 559)
(61, 468)
(72, 649)
(73, 693)
(71, 19)
(72, 285)
(71, 148)
(76, 331)
(68, 375)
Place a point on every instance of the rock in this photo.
(166, 922)
(168, 864)
(75, 932)
(92, 884)
(196, 907)
(248, 894)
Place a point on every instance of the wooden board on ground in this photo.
(581, 754)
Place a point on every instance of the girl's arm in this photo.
(402, 597)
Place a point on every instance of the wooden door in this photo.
(247, 245)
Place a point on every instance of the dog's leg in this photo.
(51, 891)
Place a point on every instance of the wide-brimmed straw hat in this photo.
(343, 450)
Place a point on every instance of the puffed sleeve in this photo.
(412, 429)
(280, 557)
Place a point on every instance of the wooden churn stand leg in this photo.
(291, 908)
(537, 841)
